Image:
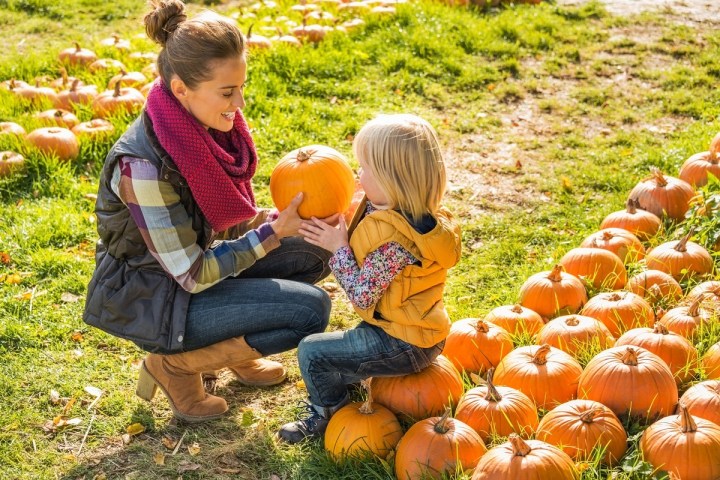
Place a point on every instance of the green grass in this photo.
(567, 93)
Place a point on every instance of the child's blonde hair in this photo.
(403, 154)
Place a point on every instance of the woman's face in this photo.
(370, 186)
(214, 102)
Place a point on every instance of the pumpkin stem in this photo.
(74, 86)
(658, 177)
(682, 244)
(304, 155)
(660, 329)
(556, 274)
(116, 92)
(572, 321)
(540, 357)
(631, 206)
(441, 426)
(614, 297)
(655, 291)
(517, 308)
(630, 357)
(589, 416)
(64, 75)
(366, 407)
(482, 326)
(607, 236)
(249, 34)
(694, 308)
(492, 394)
(520, 446)
(687, 422)
(77, 46)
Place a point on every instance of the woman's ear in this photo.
(178, 87)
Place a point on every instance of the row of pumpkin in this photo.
(638, 331)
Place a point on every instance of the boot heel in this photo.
(146, 386)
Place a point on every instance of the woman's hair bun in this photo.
(164, 19)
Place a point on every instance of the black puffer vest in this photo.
(130, 295)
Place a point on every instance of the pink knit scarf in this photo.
(218, 166)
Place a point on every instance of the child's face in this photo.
(369, 184)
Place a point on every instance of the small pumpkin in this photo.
(116, 42)
(680, 258)
(637, 221)
(618, 241)
(703, 400)
(75, 94)
(663, 195)
(630, 381)
(12, 128)
(57, 141)
(580, 427)
(36, 94)
(600, 268)
(255, 41)
(437, 446)
(497, 411)
(686, 320)
(552, 293)
(696, 168)
(546, 374)
(77, 55)
(95, 128)
(128, 79)
(515, 319)
(57, 116)
(573, 333)
(711, 362)
(106, 64)
(519, 459)
(676, 351)
(321, 173)
(709, 290)
(668, 289)
(683, 444)
(475, 345)
(362, 427)
(423, 394)
(118, 100)
(619, 311)
(10, 162)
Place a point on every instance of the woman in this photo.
(187, 266)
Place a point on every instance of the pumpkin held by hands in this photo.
(321, 173)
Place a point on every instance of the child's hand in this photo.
(324, 235)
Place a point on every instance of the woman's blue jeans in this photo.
(331, 361)
(273, 303)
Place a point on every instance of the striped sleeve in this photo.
(166, 227)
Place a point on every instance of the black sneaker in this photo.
(311, 424)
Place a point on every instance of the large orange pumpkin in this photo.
(546, 374)
(497, 411)
(711, 362)
(663, 195)
(519, 459)
(642, 223)
(678, 353)
(599, 268)
(680, 258)
(618, 241)
(685, 445)
(437, 446)
(57, 141)
(686, 320)
(516, 319)
(703, 400)
(553, 293)
(321, 173)
(361, 428)
(668, 289)
(475, 345)
(619, 311)
(573, 333)
(580, 426)
(421, 395)
(630, 381)
(709, 290)
(696, 168)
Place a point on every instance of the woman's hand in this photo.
(288, 221)
(320, 233)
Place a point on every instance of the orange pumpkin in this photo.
(685, 445)
(77, 55)
(711, 362)
(75, 94)
(423, 394)
(572, 333)
(546, 374)
(497, 411)
(437, 446)
(703, 400)
(519, 459)
(36, 94)
(709, 290)
(619, 311)
(618, 241)
(106, 64)
(696, 168)
(321, 173)
(686, 320)
(119, 100)
(12, 128)
(94, 128)
(668, 289)
(257, 41)
(10, 162)
(116, 42)
(600, 268)
(361, 428)
(629, 381)
(475, 345)
(128, 79)
(57, 141)
(676, 351)
(663, 195)
(552, 293)
(680, 258)
(57, 116)
(637, 221)
(579, 427)
(515, 319)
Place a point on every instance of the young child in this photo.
(393, 270)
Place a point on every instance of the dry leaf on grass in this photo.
(159, 458)
(194, 449)
(186, 466)
(169, 442)
(135, 429)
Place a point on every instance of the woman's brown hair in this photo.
(190, 45)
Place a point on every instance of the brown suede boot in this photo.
(259, 373)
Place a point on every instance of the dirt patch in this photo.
(685, 11)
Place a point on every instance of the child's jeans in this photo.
(331, 361)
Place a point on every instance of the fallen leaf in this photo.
(13, 279)
(5, 258)
(100, 476)
(68, 297)
(69, 405)
(300, 384)
(135, 429)
(54, 397)
(76, 336)
(194, 449)
(126, 438)
(232, 471)
(169, 442)
(94, 391)
(159, 458)
(187, 467)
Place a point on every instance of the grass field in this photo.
(548, 117)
